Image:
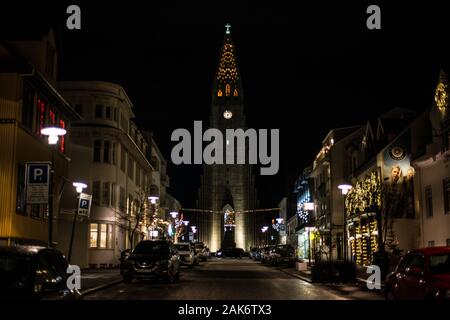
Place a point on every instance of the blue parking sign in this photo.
(37, 182)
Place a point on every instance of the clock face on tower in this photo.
(227, 114)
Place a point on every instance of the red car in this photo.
(421, 274)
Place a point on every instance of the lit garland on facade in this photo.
(365, 195)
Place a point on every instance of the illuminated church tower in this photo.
(227, 189)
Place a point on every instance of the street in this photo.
(225, 279)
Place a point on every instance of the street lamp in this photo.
(174, 214)
(53, 134)
(79, 186)
(279, 220)
(153, 199)
(345, 188)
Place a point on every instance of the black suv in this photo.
(230, 253)
(34, 272)
(152, 259)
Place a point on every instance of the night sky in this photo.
(306, 68)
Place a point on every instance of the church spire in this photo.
(227, 82)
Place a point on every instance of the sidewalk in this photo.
(356, 290)
(97, 279)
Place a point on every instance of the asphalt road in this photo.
(224, 279)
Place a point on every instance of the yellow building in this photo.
(29, 102)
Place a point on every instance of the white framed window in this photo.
(101, 235)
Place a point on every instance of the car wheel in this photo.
(127, 278)
(389, 295)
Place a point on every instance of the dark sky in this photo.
(306, 68)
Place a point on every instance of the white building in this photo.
(111, 156)
(433, 174)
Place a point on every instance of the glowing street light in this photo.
(153, 199)
(186, 222)
(79, 186)
(345, 188)
(53, 134)
(174, 214)
(279, 220)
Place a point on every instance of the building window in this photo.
(448, 242)
(428, 201)
(431, 243)
(115, 114)
(108, 112)
(113, 152)
(98, 111)
(219, 93)
(27, 105)
(93, 235)
(122, 199)
(138, 176)
(79, 109)
(96, 193)
(97, 147)
(113, 195)
(130, 167)
(20, 196)
(106, 193)
(123, 157)
(446, 187)
(106, 150)
(101, 235)
(235, 93)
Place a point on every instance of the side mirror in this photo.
(415, 271)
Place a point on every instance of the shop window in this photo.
(428, 201)
(93, 235)
(103, 235)
(431, 243)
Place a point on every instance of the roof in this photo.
(23, 250)
(432, 250)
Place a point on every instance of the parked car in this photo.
(421, 274)
(252, 253)
(230, 253)
(265, 252)
(202, 251)
(187, 254)
(34, 272)
(281, 254)
(257, 255)
(152, 259)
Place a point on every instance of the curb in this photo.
(296, 275)
(101, 287)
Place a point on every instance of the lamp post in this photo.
(345, 188)
(53, 134)
(174, 215)
(153, 200)
(79, 186)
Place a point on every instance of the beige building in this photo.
(113, 158)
